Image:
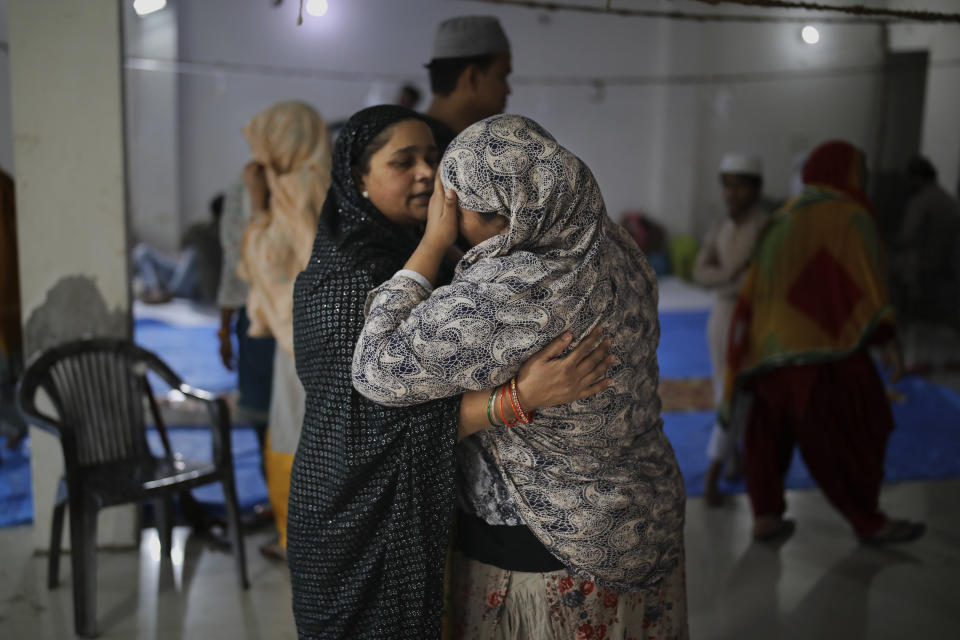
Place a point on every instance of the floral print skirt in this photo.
(492, 603)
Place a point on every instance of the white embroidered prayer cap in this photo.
(746, 164)
(468, 36)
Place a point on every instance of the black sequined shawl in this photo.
(372, 488)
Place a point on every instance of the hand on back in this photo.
(546, 380)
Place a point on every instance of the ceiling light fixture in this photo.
(317, 8)
(144, 7)
(810, 34)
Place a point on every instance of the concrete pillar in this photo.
(67, 106)
(6, 137)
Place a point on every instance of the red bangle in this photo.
(503, 416)
(515, 403)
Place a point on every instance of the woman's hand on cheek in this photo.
(442, 221)
(439, 236)
(546, 380)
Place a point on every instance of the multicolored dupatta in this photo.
(814, 292)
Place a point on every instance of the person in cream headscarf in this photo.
(288, 179)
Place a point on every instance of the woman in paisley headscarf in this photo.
(372, 492)
(287, 180)
(572, 520)
(813, 302)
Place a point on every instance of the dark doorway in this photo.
(898, 135)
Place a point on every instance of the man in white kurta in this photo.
(721, 266)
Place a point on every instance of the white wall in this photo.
(395, 38)
(652, 145)
(782, 104)
(152, 119)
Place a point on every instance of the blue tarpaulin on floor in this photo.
(926, 443)
(683, 351)
(193, 353)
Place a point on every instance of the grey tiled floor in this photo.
(820, 584)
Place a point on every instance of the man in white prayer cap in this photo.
(468, 74)
(721, 266)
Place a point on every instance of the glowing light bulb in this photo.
(143, 7)
(317, 8)
(810, 34)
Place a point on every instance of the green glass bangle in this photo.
(490, 408)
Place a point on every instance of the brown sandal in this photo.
(781, 532)
(895, 532)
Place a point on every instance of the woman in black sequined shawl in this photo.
(372, 489)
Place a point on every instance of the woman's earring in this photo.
(365, 194)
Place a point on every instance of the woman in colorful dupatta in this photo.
(813, 302)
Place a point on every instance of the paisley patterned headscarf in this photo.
(596, 481)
